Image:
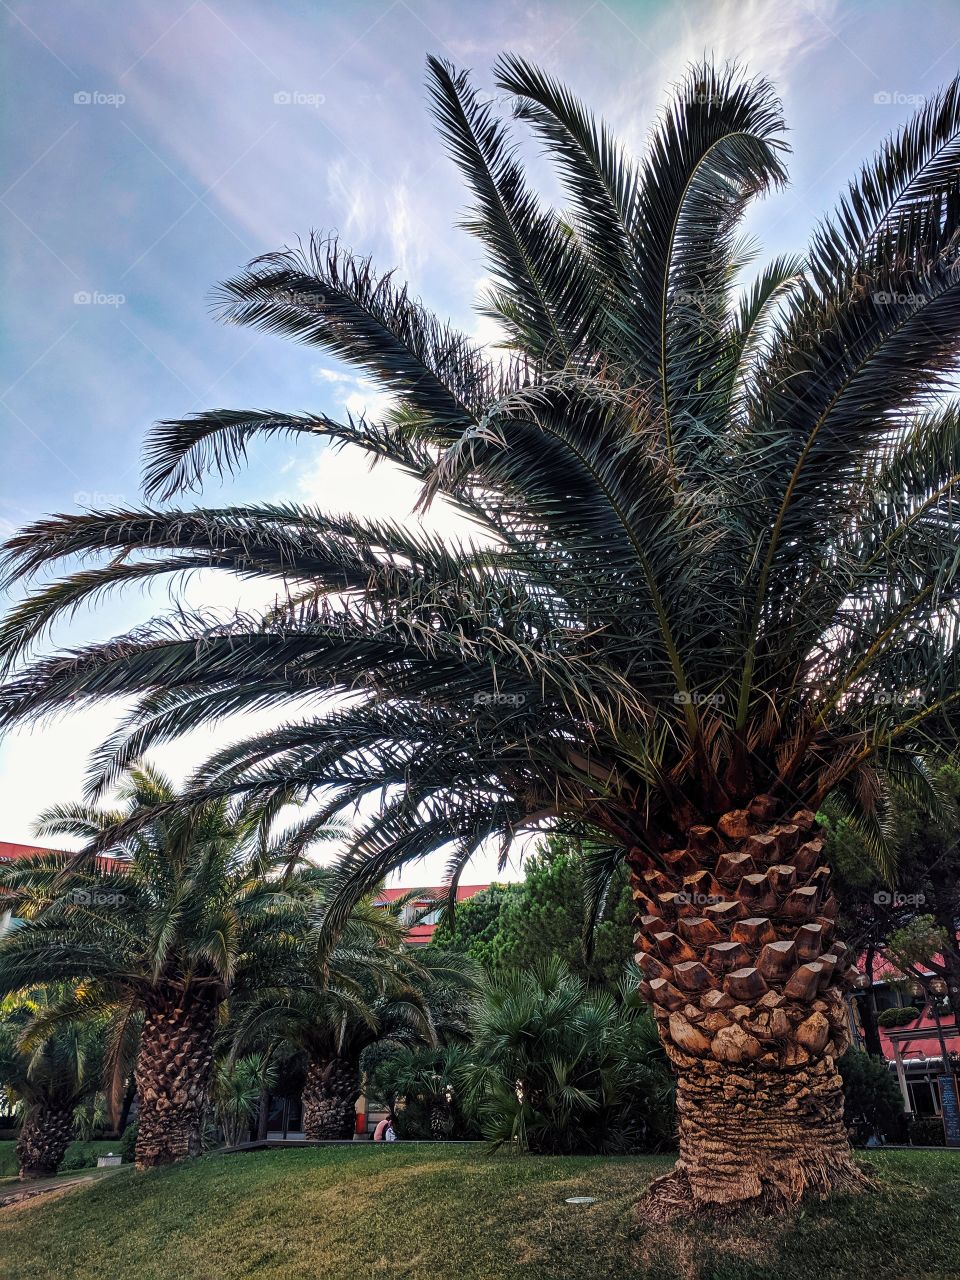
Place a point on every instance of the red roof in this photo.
(9, 851)
(927, 1042)
(422, 933)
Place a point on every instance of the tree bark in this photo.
(868, 1011)
(129, 1094)
(441, 1119)
(330, 1092)
(173, 1073)
(945, 915)
(746, 981)
(263, 1114)
(46, 1133)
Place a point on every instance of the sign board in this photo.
(950, 1107)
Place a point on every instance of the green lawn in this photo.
(435, 1213)
(89, 1151)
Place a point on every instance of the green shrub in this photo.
(424, 1089)
(873, 1103)
(80, 1155)
(898, 1017)
(128, 1142)
(927, 1131)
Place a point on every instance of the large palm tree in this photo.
(712, 580)
(49, 1068)
(330, 1003)
(192, 899)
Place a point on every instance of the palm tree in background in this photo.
(50, 1068)
(709, 578)
(330, 1003)
(190, 900)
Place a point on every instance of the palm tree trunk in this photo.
(868, 1010)
(46, 1133)
(441, 1119)
(263, 1114)
(330, 1093)
(735, 938)
(173, 1073)
(129, 1094)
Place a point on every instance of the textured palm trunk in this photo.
(46, 1133)
(173, 1073)
(330, 1092)
(441, 1119)
(746, 980)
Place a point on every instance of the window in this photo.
(923, 1097)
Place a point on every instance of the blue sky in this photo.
(154, 146)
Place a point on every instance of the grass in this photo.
(87, 1151)
(453, 1213)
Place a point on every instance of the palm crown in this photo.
(195, 896)
(47, 1062)
(195, 900)
(50, 1068)
(713, 528)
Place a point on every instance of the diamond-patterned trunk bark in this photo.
(330, 1092)
(746, 979)
(441, 1119)
(173, 1073)
(44, 1137)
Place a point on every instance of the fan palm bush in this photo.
(158, 932)
(708, 577)
(51, 1069)
(558, 1068)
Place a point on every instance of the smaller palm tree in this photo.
(192, 899)
(430, 1077)
(336, 999)
(238, 1084)
(50, 1069)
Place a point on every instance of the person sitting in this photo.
(380, 1132)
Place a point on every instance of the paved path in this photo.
(13, 1191)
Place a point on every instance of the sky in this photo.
(152, 147)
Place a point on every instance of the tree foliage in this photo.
(547, 913)
(555, 1067)
(712, 547)
(873, 1104)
